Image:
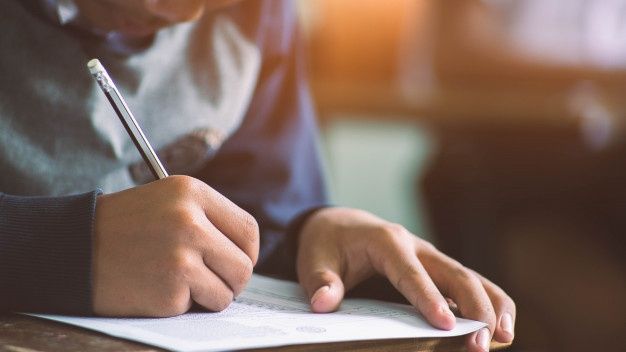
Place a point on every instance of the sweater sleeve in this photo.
(45, 253)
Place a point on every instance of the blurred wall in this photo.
(372, 165)
(362, 58)
(521, 106)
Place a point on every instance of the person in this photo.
(219, 88)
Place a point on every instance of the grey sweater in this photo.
(223, 99)
(193, 82)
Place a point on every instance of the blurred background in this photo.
(497, 130)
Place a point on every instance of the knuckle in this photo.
(180, 307)
(463, 274)
(432, 306)
(491, 320)
(194, 224)
(243, 275)
(426, 246)
(176, 303)
(182, 217)
(182, 184)
(250, 229)
(512, 306)
(487, 314)
(392, 232)
(499, 298)
(407, 279)
(223, 300)
(196, 228)
(181, 264)
(325, 275)
(246, 271)
(504, 302)
(186, 223)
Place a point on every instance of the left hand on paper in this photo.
(339, 248)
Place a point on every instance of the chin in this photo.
(138, 32)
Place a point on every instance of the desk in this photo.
(26, 334)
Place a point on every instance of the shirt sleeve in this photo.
(45, 253)
(271, 166)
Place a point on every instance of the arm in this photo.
(89, 254)
(271, 168)
(202, 244)
(45, 253)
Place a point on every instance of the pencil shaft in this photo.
(128, 120)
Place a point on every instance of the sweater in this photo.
(223, 99)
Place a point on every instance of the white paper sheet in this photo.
(272, 313)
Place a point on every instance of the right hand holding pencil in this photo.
(161, 246)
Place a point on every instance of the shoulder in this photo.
(270, 23)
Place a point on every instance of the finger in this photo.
(466, 289)
(225, 259)
(480, 341)
(505, 311)
(400, 265)
(207, 289)
(239, 226)
(318, 273)
(326, 291)
(452, 304)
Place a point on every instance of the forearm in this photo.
(45, 253)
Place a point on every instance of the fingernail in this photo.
(482, 339)
(320, 291)
(506, 324)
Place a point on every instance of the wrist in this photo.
(303, 221)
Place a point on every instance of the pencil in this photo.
(128, 120)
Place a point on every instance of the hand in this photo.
(162, 246)
(340, 247)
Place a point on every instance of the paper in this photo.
(272, 313)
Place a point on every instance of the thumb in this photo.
(325, 289)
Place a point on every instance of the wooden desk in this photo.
(25, 334)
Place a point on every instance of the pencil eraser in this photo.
(95, 66)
